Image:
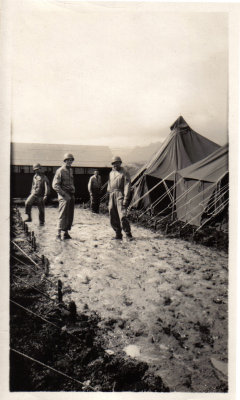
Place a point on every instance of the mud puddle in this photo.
(165, 297)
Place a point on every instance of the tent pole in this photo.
(155, 203)
(168, 204)
(149, 191)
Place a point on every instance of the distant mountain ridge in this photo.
(136, 155)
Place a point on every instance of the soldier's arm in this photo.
(32, 187)
(90, 185)
(56, 185)
(127, 188)
(108, 185)
(47, 187)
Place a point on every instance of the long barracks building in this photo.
(50, 156)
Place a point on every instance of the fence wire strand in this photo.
(51, 368)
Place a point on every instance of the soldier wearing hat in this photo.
(63, 184)
(39, 192)
(94, 188)
(119, 188)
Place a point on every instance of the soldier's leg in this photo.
(95, 203)
(41, 209)
(91, 202)
(98, 198)
(122, 212)
(62, 209)
(113, 213)
(70, 212)
(28, 206)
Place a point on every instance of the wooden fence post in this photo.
(46, 266)
(60, 295)
(73, 311)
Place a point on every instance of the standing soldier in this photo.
(39, 192)
(119, 188)
(94, 188)
(64, 186)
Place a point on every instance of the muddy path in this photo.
(162, 301)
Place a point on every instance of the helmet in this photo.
(36, 166)
(68, 155)
(115, 159)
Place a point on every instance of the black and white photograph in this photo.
(119, 220)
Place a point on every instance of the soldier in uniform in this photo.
(119, 188)
(63, 184)
(39, 192)
(94, 188)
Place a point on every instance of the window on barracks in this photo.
(15, 169)
(47, 169)
(90, 171)
(78, 170)
(25, 169)
(44, 169)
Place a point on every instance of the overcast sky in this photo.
(116, 74)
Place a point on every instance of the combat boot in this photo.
(117, 237)
(66, 236)
(28, 219)
(129, 236)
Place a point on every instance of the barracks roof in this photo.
(52, 154)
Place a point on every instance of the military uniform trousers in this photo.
(95, 200)
(66, 211)
(117, 212)
(38, 200)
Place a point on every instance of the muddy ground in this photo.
(156, 302)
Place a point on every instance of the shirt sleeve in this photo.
(32, 188)
(127, 187)
(56, 185)
(90, 185)
(46, 186)
(108, 185)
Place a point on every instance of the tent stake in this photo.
(73, 311)
(43, 260)
(166, 229)
(34, 243)
(46, 266)
(60, 291)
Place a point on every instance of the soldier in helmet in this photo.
(39, 192)
(63, 184)
(94, 188)
(119, 188)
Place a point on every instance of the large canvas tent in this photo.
(154, 182)
(202, 189)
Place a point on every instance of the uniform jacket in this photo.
(120, 181)
(40, 185)
(94, 184)
(63, 181)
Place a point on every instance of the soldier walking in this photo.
(39, 192)
(119, 188)
(63, 184)
(94, 188)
